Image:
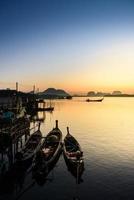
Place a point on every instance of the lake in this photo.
(105, 131)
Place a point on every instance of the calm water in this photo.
(105, 131)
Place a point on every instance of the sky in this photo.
(75, 45)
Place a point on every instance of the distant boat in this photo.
(95, 100)
(69, 97)
(49, 108)
(48, 154)
(73, 156)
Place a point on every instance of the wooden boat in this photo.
(49, 108)
(73, 155)
(48, 154)
(94, 100)
(31, 147)
(69, 97)
(46, 109)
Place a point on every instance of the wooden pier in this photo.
(13, 136)
(15, 128)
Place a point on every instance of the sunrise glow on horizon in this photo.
(73, 45)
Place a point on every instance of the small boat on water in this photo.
(95, 100)
(48, 154)
(49, 108)
(73, 155)
(46, 109)
(31, 147)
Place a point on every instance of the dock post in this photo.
(17, 144)
(10, 155)
(14, 152)
(21, 142)
(39, 127)
(25, 137)
(43, 105)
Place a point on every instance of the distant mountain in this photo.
(49, 91)
(116, 92)
(54, 93)
(97, 94)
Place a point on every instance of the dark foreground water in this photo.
(105, 131)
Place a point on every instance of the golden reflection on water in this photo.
(105, 129)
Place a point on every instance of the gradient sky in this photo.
(76, 45)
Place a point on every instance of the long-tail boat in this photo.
(73, 155)
(48, 154)
(95, 100)
(30, 148)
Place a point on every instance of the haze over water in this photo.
(106, 134)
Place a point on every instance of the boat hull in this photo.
(94, 100)
(49, 155)
(76, 169)
(74, 162)
(25, 156)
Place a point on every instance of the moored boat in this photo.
(73, 155)
(30, 148)
(48, 154)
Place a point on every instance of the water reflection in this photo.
(38, 117)
(76, 173)
(106, 134)
(43, 178)
(13, 181)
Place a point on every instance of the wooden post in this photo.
(14, 145)
(39, 127)
(10, 155)
(17, 143)
(44, 115)
(2, 156)
(25, 137)
(21, 142)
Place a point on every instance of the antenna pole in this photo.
(17, 86)
(56, 123)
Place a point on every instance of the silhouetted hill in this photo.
(53, 93)
(49, 91)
